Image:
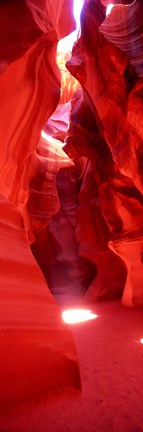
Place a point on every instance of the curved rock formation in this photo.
(18, 31)
(37, 350)
(97, 172)
(116, 107)
(21, 122)
(124, 28)
(78, 186)
(51, 210)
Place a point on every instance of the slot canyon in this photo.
(71, 209)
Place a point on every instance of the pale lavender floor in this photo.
(111, 361)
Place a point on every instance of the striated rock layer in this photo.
(25, 81)
(81, 202)
(111, 137)
(37, 350)
(51, 214)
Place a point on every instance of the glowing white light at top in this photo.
(72, 316)
(66, 43)
(109, 8)
(77, 11)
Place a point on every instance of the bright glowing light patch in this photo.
(45, 136)
(141, 341)
(109, 8)
(77, 11)
(71, 316)
(66, 43)
(51, 140)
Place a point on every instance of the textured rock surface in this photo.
(92, 229)
(37, 351)
(115, 96)
(43, 201)
(29, 87)
(54, 15)
(57, 125)
(18, 31)
(124, 27)
(81, 202)
(53, 220)
(36, 85)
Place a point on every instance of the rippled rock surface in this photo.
(37, 350)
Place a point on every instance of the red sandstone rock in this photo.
(110, 195)
(30, 87)
(57, 124)
(85, 215)
(29, 93)
(105, 81)
(37, 351)
(53, 14)
(124, 28)
(43, 201)
(92, 231)
(93, 236)
(22, 23)
(18, 31)
(55, 245)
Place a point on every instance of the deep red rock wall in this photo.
(111, 135)
(77, 201)
(37, 350)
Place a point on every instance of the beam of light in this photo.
(78, 4)
(109, 8)
(65, 45)
(72, 316)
